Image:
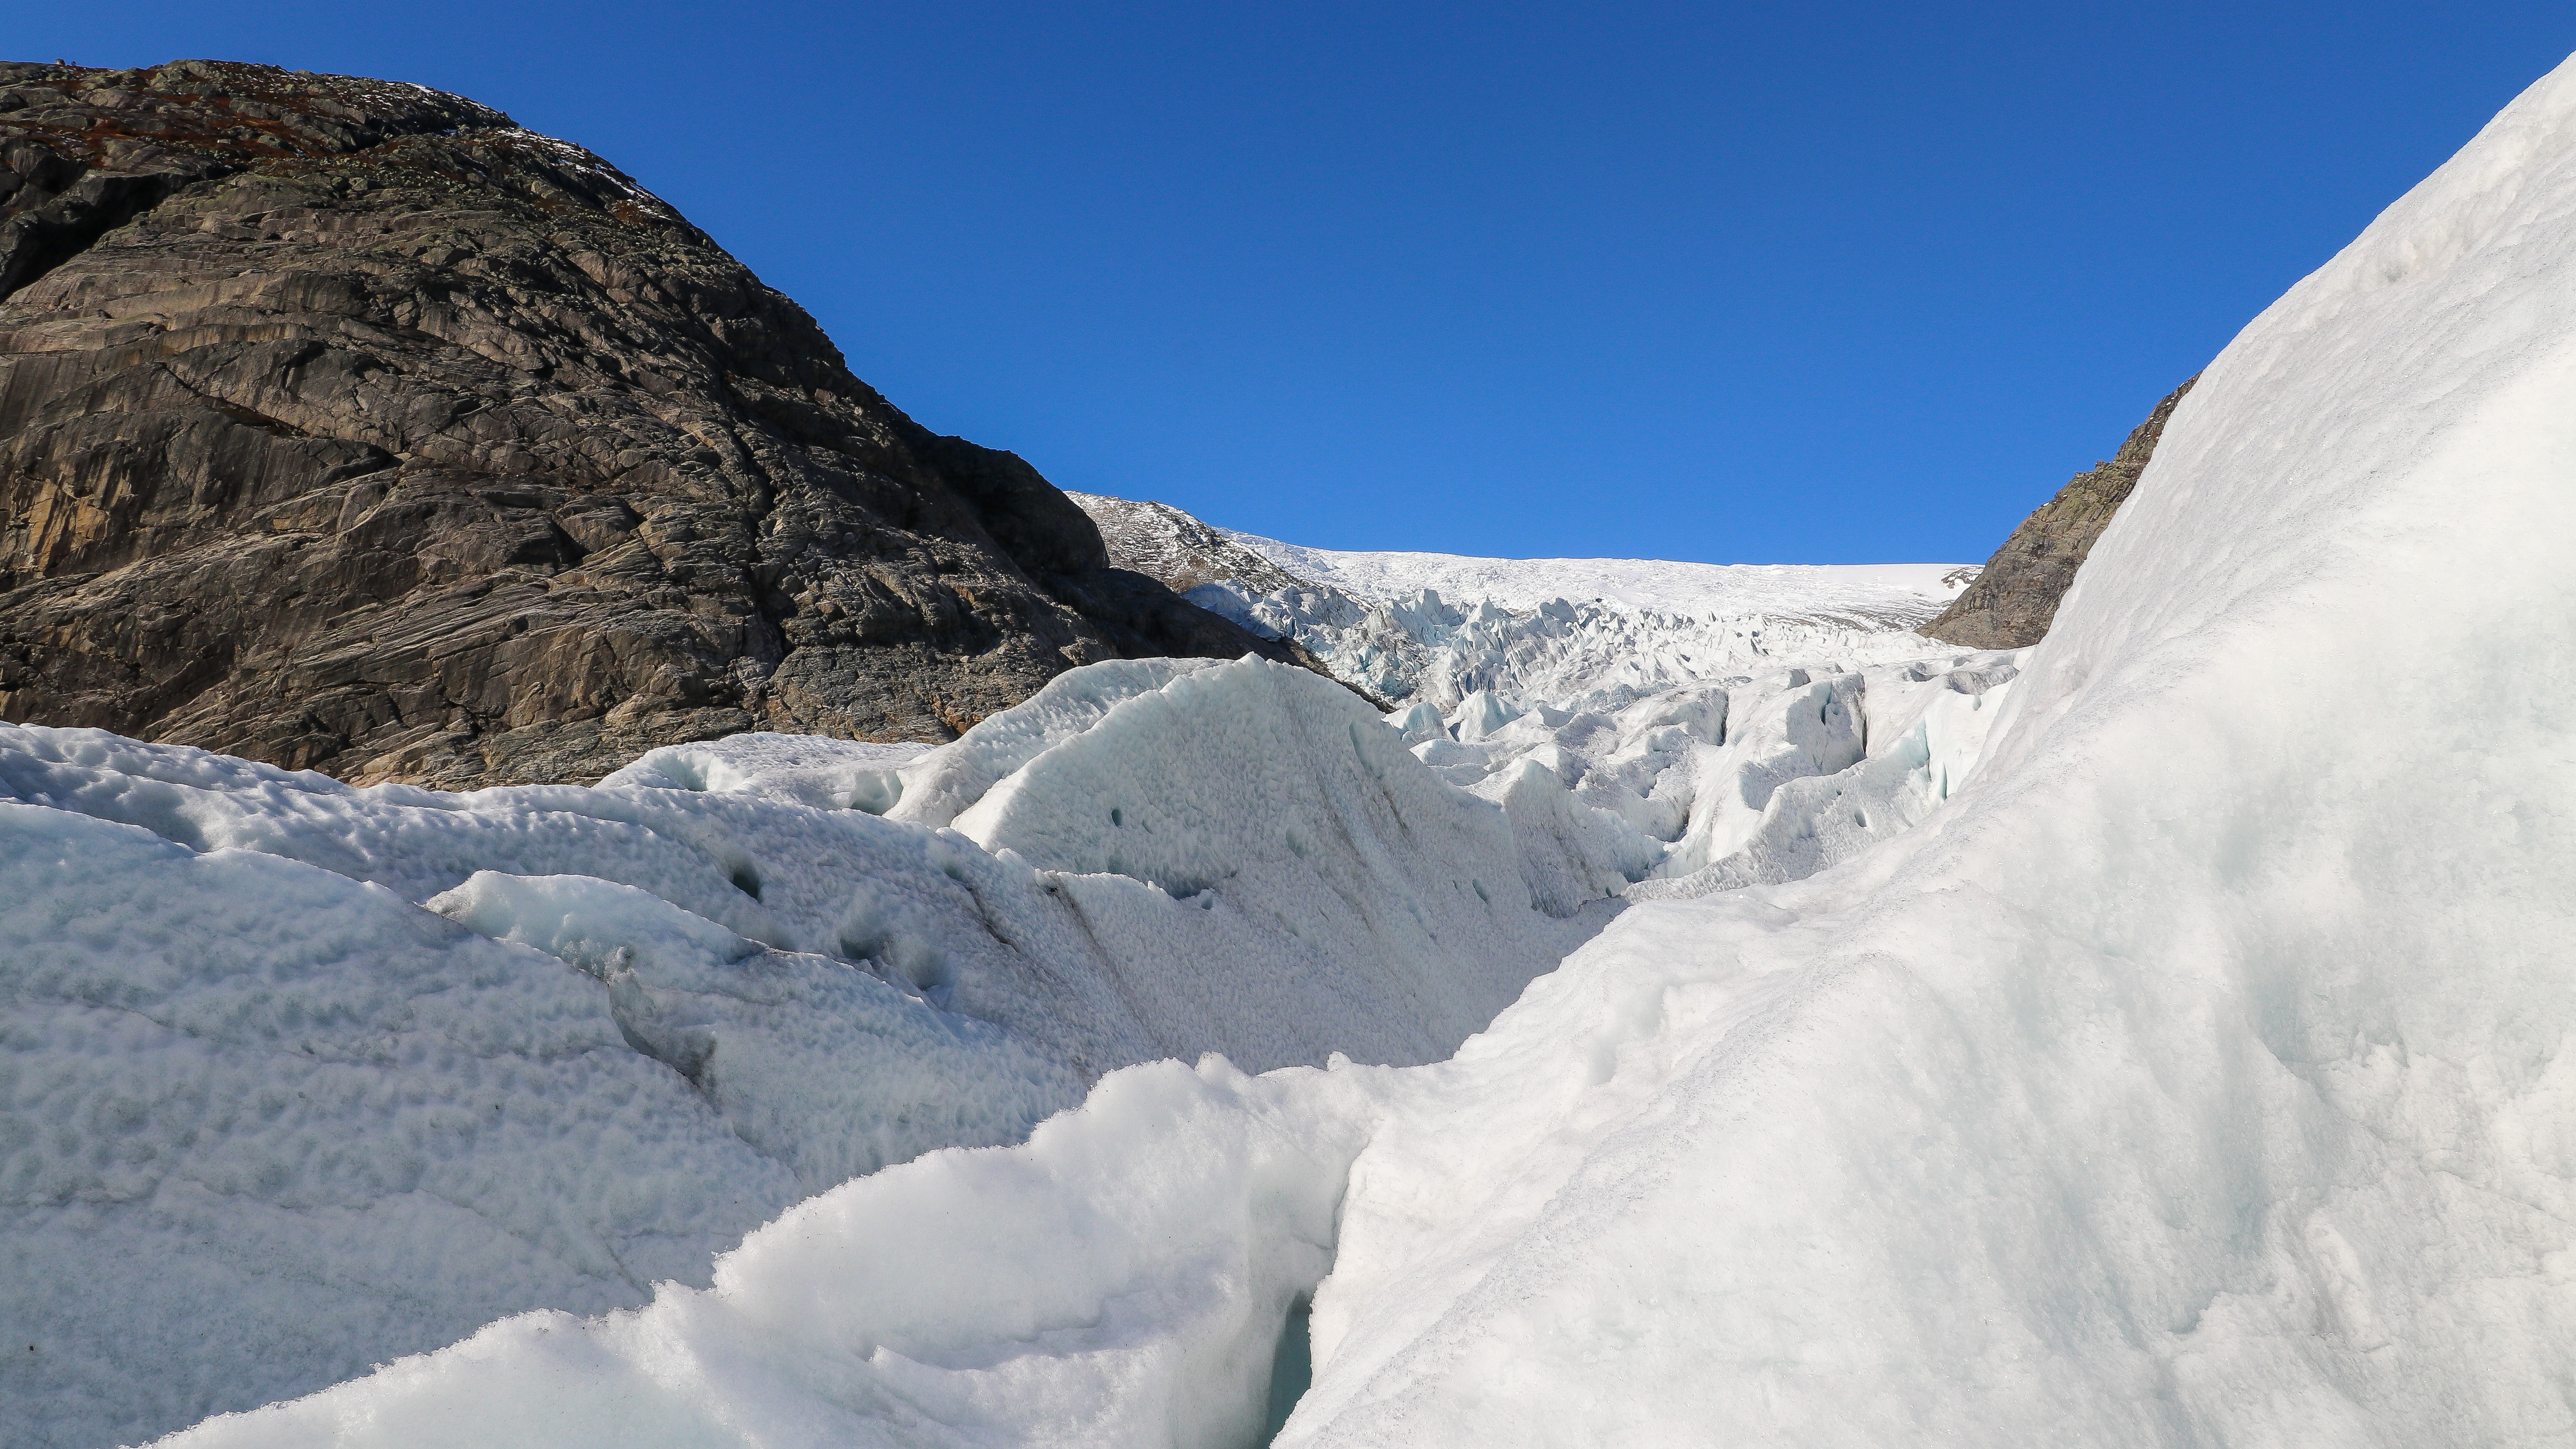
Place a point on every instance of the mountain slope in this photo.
(1183, 552)
(2014, 598)
(345, 425)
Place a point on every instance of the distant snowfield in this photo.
(1900, 595)
(2162, 1036)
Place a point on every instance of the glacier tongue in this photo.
(2204, 1073)
(1884, 595)
(813, 974)
(1597, 654)
(1587, 633)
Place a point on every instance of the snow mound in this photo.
(2203, 1073)
(1282, 829)
(797, 769)
(260, 1020)
(936, 785)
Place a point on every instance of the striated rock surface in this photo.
(2011, 604)
(1180, 549)
(348, 426)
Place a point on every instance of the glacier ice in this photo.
(1439, 628)
(827, 957)
(2202, 1072)
(731, 976)
(1884, 595)
(1594, 654)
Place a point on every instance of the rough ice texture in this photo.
(814, 770)
(939, 784)
(325, 1075)
(1894, 593)
(1437, 627)
(1587, 656)
(346, 425)
(2203, 1073)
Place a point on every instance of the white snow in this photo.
(2203, 1072)
(937, 785)
(797, 769)
(242, 998)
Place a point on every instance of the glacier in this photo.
(1597, 633)
(2162, 1035)
(322, 1075)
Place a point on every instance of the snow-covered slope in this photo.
(2204, 1073)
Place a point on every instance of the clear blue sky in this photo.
(1819, 283)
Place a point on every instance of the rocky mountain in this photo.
(1179, 548)
(346, 425)
(2011, 604)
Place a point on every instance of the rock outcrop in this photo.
(1179, 549)
(348, 426)
(2011, 604)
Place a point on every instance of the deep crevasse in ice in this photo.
(2204, 1073)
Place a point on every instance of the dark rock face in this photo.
(347, 426)
(2012, 603)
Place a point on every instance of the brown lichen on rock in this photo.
(2013, 601)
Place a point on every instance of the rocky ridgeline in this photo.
(1180, 549)
(346, 425)
(2011, 604)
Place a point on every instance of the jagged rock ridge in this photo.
(348, 426)
(1180, 549)
(2011, 604)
